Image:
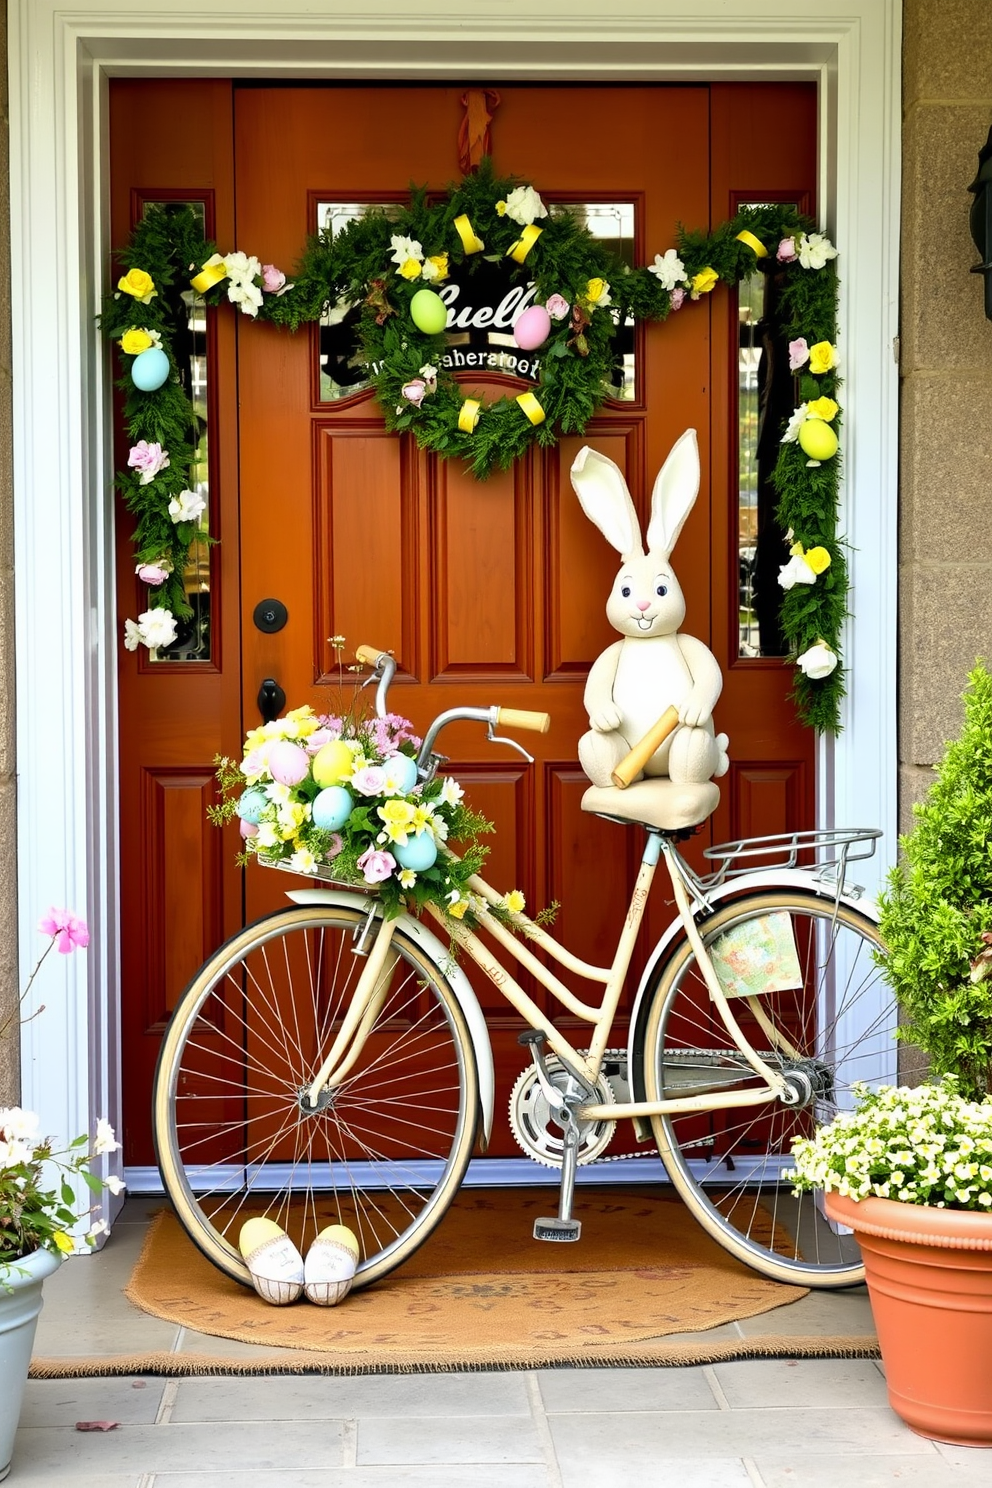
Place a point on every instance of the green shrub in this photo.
(937, 910)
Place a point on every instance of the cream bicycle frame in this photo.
(370, 991)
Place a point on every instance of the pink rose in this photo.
(376, 865)
(786, 250)
(557, 306)
(318, 739)
(414, 391)
(677, 297)
(152, 573)
(273, 279)
(798, 352)
(370, 780)
(148, 458)
(256, 762)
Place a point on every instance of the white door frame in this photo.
(61, 53)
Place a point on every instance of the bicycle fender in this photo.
(732, 889)
(451, 973)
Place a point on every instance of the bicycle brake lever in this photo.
(500, 739)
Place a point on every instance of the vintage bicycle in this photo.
(329, 1065)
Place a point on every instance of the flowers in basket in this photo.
(37, 1201)
(924, 1145)
(340, 798)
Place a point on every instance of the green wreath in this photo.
(383, 260)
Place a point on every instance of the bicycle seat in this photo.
(654, 803)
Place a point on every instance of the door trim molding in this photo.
(61, 54)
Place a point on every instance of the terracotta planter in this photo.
(929, 1275)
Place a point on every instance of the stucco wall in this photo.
(8, 879)
(946, 381)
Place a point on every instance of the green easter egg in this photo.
(428, 312)
(818, 439)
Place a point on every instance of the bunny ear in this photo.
(603, 496)
(674, 493)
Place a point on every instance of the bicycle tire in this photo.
(384, 1154)
(727, 1165)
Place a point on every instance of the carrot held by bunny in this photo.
(654, 665)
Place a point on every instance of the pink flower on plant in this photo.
(148, 458)
(677, 297)
(786, 252)
(370, 780)
(273, 279)
(557, 306)
(376, 865)
(152, 573)
(798, 352)
(66, 929)
(318, 739)
(414, 391)
(390, 731)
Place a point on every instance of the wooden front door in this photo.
(488, 593)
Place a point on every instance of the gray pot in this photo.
(20, 1304)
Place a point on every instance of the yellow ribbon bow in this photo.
(760, 251)
(524, 243)
(531, 408)
(466, 232)
(468, 415)
(208, 276)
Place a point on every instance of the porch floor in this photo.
(767, 1423)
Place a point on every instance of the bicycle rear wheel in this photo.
(823, 1022)
(383, 1153)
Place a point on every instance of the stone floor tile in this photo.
(194, 1448)
(64, 1402)
(85, 1310)
(670, 1472)
(565, 1391)
(869, 1471)
(756, 1384)
(66, 1478)
(208, 1345)
(591, 1440)
(437, 1475)
(819, 1314)
(465, 1439)
(979, 1457)
(290, 1397)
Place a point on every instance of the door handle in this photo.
(271, 700)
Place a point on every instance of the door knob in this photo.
(271, 700)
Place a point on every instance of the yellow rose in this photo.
(134, 342)
(514, 901)
(136, 282)
(821, 358)
(822, 408)
(440, 262)
(410, 269)
(818, 559)
(594, 290)
(457, 910)
(501, 209)
(703, 282)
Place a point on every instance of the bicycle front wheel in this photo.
(385, 1150)
(817, 1014)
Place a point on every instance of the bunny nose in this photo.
(643, 604)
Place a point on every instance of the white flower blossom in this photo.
(799, 417)
(814, 250)
(132, 635)
(796, 571)
(523, 205)
(16, 1122)
(818, 662)
(407, 878)
(104, 1141)
(405, 249)
(154, 629)
(451, 792)
(303, 861)
(115, 1184)
(188, 506)
(669, 269)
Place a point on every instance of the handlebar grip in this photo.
(633, 763)
(538, 723)
(370, 654)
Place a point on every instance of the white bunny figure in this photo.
(632, 683)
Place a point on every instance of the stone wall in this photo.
(8, 878)
(945, 543)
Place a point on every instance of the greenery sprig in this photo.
(589, 292)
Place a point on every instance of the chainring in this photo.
(536, 1131)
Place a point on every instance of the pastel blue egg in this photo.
(150, 369)
(417, 853)
(332, 808)
(251, 805)
(403, 770)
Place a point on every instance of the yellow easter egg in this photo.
(818, 439)
(341, 1235)
(254, 1232)
(332, 763)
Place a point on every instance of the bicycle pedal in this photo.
(557, 1229)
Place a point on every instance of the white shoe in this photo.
(330, 1265)
(275, 1264)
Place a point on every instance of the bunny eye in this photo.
(662, 590)
(625, 591)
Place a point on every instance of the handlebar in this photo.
(518, 718)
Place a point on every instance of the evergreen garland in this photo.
(356, 266)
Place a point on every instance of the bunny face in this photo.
(646, 599)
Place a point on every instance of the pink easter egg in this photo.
(288, 763)
(532, 328)
(248, 829)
